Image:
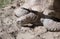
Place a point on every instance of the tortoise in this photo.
(32, 12)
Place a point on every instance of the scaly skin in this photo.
(51, 24)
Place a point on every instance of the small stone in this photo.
(40, 30)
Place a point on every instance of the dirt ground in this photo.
(10, 30)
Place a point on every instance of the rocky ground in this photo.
(10, 30)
